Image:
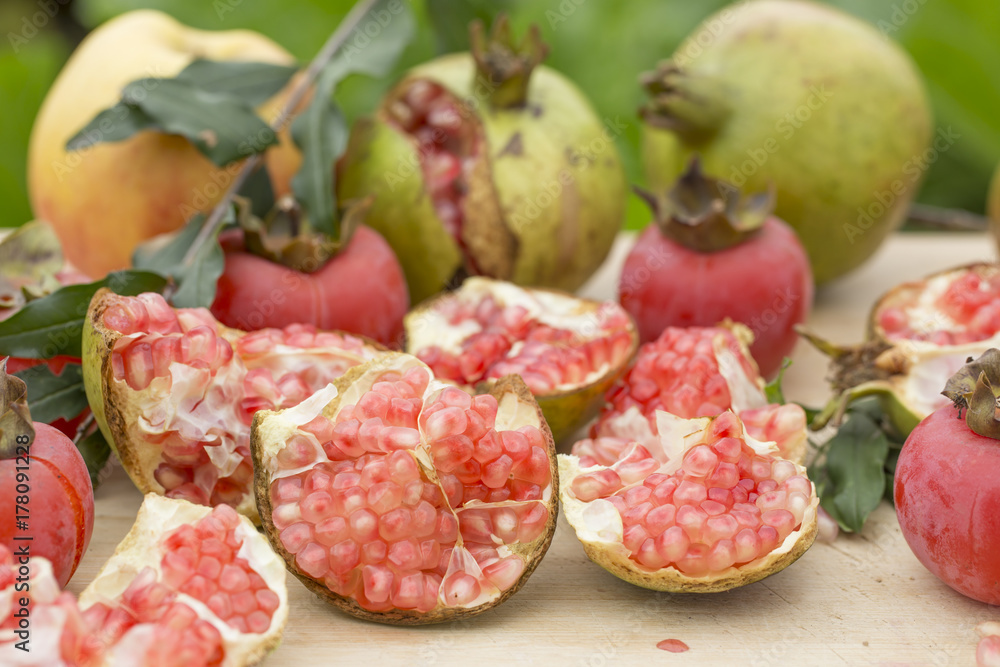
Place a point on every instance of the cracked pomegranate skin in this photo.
(947, 495)
(361, 290)
(764, 282)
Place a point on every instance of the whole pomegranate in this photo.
(946, 489)
(174, 391)
(400, 499)
(800, 95)
(361, 289)
(919, 334)
(189, 586)
(487, 163)
(47, 492)
(713, 256)
(692, 372)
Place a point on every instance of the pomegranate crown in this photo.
(505, 64)
(693, 107)
(975, 388)
(16, 428)
(707, 214)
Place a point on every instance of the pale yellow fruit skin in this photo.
(104, 200)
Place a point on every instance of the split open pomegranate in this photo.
(919, 334)
(569, 351)
(693, 372)
(402, 499)
(703, 507)
(189, 586)
(174, 391)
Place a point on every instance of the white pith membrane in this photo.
(194, 386)
(142, 610)
(413, 509)
(988, 648)
(675, 518)
(935, 325)
(491, 328)
(692, 372)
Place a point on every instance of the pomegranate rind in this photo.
(143, 548)
(509, 232)
(601, 534)
(118, 410)
(565, 409)
(907, 375)
(272, 429)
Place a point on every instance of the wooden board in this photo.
(864, 600)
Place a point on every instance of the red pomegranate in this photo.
(713, 255)
(361, 289)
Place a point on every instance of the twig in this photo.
(949, 219)
(333, 44)
(82, 429)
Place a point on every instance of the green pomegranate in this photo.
(808, 98)
(486, 163)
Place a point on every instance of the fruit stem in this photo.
(337, 39)
(82, 429)
(950, 219)
(504, 66)
(17, 431)
(706, 214)
(692, 107)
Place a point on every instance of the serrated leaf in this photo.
(855, 465)
(52, 396)
(196, 280)
(252, 82)
(221, 126)
(96, 453)
(53, 325)
(321, 130)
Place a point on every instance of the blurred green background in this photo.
(601, 44)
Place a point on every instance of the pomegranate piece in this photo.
(709, 509)
(177, 391)
(198, 580)
(407, 516)
(692, 372)
(567, 350)
(920, 334)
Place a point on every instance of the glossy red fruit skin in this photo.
(60, 502)
(765, 283)
(360, 290)
(947, 494)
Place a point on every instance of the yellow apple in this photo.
(106, 199)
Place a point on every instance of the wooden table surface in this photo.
(863, 600)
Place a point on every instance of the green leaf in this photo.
(96, 454)
(855, 464)
(52, 396)
(259, 191)
(196, 281)
(254, 83)
(221, 126)
(116, 123)
(53, 325)
(773, 389)
(321, 130)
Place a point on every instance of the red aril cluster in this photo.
(410, 497)
(445, 142)
(187, 389)
(963, 307)
(692, 372)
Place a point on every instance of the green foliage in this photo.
(602, 46)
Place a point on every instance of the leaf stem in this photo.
(82, 429)
(330, 48)
(947, 219)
